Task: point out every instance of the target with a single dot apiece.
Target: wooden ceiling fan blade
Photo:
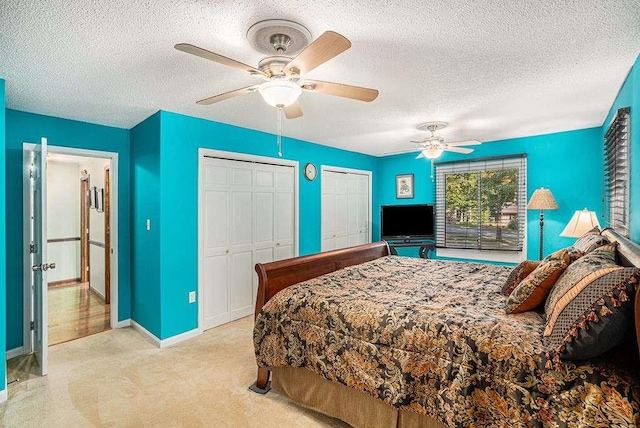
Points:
(462, 150)
(227, 95)
(220, 59)
(341, 90)
(330, 44)
(293, 111)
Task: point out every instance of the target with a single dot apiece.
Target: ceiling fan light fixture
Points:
(280, 93)
(432, 152)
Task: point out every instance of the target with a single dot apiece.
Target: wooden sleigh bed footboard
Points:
(276, 276)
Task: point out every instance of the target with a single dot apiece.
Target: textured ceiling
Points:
(494, 69)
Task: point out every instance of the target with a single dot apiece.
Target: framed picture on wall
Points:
(404, 186)
(100, 200)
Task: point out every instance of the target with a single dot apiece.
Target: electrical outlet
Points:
(192, 296)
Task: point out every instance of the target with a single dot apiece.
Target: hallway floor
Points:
(74, 312)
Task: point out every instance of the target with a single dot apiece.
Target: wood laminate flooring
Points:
(74, 312)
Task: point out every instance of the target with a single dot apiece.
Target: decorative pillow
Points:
(533, 290)
(518, 273)
(589, 315)
(590, 241)
(590, 267)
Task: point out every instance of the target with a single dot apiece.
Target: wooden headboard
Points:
(629, 253)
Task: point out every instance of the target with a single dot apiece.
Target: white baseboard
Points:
(123, 323)
(15, 352)
(169, 341)
(146, 334)
(164, 343)
(4, 395)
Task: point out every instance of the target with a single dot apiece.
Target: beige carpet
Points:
(117, 378)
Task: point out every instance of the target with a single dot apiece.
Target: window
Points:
(615, 212)
(481, 204)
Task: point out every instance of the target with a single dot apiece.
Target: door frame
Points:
(27, 343)
(339, 169)
(233, 156)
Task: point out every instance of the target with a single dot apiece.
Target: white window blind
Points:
(616, 173)
(481, 204)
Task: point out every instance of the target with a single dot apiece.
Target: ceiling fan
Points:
(284, 74)
(433, 146)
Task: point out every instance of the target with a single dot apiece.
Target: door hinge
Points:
(86, 269)
(33, 325)
(32, 248)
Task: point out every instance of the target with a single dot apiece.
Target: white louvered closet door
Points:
(345, 210)
(249, 218)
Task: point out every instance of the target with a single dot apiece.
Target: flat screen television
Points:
(407, 222)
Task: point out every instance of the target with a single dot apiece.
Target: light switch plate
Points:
(192, 296)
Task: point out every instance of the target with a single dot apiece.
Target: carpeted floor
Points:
(117, 378)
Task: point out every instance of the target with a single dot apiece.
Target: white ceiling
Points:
(495, 69)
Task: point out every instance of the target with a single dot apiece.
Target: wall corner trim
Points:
(123, 323)
(146, 334)
(173, 340)
(165, 343)
(15, 352)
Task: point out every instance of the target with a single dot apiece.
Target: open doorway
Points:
(78, 201)
(70, 246)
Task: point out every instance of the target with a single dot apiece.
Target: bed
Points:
(378, 340)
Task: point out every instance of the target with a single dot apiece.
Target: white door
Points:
(248, 217)
(39, 265)
(215, 204)
(241, 246)
(346, 209)
(284, 212)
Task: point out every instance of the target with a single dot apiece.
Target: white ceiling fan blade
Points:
(420, 156)
(464, 143)
(400, 152)
(462, 150)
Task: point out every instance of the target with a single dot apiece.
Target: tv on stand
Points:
(407, 223)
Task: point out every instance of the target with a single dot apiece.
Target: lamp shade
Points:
(581, 222)
(542, 199)
(280, 93)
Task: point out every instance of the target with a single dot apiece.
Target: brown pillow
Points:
(533, 290)
(518, 273)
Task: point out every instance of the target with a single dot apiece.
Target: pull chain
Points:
(279, 138)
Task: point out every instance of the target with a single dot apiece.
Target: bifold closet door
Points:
(345, 210)
(248, 218)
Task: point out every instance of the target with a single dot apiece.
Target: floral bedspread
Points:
(433, 337)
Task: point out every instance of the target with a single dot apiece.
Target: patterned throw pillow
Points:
(518, 273)
(591, 309)
(590, 267)
(533, 290)
(590, 241)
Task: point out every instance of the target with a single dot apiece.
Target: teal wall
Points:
(28, 127)
(568, 163)
(145, 204)
(181, 137)
(3, 242)
(629, 96)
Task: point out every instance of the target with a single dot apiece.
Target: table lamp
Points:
(542, 199)
(581, 222)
